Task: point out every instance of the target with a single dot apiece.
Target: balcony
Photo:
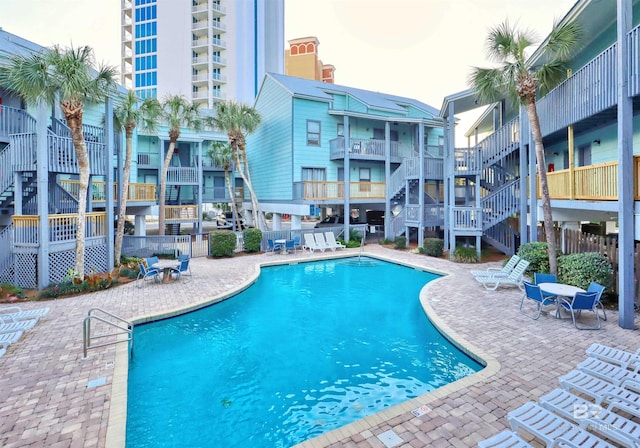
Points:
(200, 61)
(334, 191)
(219, 26)
(175, 214)
(592, 183)
(218, 43)
(369, 149)
(138, 192)
(218, 61)
(62, 228)
(199, 43)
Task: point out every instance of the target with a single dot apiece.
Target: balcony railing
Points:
(178, 175)
(138, 192)
(15, 121)
(334, 191)
(370, 149)
(62, 228)
(594, 182)
(180, 213)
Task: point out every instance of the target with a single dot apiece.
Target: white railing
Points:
(501, 203)
(182, 175)
(467, 160)
(467, 219)
(15, 121)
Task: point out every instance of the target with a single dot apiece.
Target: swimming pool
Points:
(306, 349)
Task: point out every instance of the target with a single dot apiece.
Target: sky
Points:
(422, 49)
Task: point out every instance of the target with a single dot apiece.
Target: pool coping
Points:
(116, 426)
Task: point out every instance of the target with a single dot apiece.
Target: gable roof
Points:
(322, 91)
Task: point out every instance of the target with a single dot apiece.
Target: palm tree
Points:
(70, 77)
(175, 111)
(222, 155)
(128, 114)
(239, 120)
(519, 78)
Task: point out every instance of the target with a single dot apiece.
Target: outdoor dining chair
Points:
(582, 301)
(539, 277)
(596, 287)
(183, 268)
(146, 273)
(534, 293)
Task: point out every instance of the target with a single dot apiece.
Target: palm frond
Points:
(563, 40)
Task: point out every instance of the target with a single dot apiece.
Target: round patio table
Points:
(560, 290)
(166, 266)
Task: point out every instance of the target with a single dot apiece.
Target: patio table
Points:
(166, 266)
(560, 290)
(282, 242)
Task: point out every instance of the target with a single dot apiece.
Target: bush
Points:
(433, 247)
(387, 241)
(400, 242)
(252, 240)
(537, 254)
(222, 243)
(8, 290)
(583, 268)
(355, 235)
(351, 243)
(464, 254)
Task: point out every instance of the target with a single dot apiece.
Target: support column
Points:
(347, 178)
(421, 185)
(524, 234)
(200, 188)
(450, 182)
(626, 290)
(296, 222)
(109, 199)
(387, 176)
(533, 189)
(42, 182)
(277, 221)
(140, 225)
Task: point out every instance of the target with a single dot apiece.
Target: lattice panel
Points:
(25, 275)
(6, 276)
(95, 259)
(59, 265)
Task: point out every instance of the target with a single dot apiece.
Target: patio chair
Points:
(596, 287)
(622, 358)
(539, 277)
(608, 372)
(183, 268)
(603, 391)
(551, 428)
(310, 243)
(321, 242)
(533, 292)
(515, 277)
(151, 261)
(17, 313)
(582, 301)
(592, 417)
(146, 273)
(289, 246)
(296, 243)
(273, 247)
(505, 439)
(504, 271)
(332, 242)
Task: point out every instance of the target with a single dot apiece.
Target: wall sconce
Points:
(596, 142)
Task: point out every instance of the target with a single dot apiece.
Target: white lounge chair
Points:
(615, 356)
(9, 338)
(310, 243)
(601, 391)
(504, 271)
(550, 428)
(515, 277)
(608, 372)
(321, 242)
(592, 417)
(10, 326)
(331, 241)
(17, 313)
(505, 439)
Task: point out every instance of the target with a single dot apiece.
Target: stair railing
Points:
(122, 327)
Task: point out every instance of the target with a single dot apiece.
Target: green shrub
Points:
(351, 243)
(252, 240)
(464, 254)
(400, 242)
(8, 290)
(432, 247)
(537, 254)
(355, 235)
(583, 268)
(222, 243)
(387, 241)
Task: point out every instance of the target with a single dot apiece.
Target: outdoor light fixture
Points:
(596, 142)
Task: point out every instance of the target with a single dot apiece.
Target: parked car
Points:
(332, 221)
(227, 221)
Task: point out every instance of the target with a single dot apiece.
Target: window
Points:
(378, 134)
(314, 185)
(365, 179)
(584, 155)
(313, 133)
(340, 129)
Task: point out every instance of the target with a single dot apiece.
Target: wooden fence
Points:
(575, 241)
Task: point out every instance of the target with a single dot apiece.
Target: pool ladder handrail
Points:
(116, 322)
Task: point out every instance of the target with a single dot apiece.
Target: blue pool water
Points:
(306, 349)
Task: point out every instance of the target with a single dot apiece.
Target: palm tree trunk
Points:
(254, 199)
(163, 187)
(234, 209)
(75, 125)
(125, 195)
(534, 121)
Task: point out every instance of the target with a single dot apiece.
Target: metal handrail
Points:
(86, 333)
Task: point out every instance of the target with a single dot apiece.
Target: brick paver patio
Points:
(45, 401)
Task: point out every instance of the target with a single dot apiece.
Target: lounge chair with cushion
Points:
(332, 242)
(582, 301)
(16, 312)
(615, 356)
(504, 271)
(515, 277)
(310, 243)
(592, 417)
(551, 428)
(505, 439)
(534, 293)
(602, 391)
(146, 273)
